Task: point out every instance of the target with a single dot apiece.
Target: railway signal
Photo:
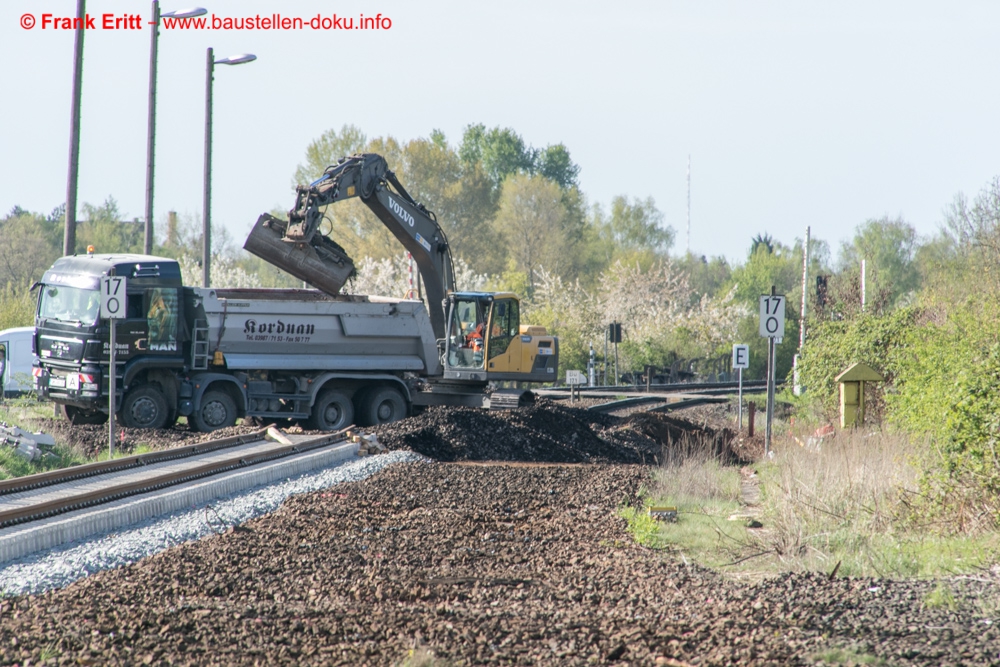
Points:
(772, 327)
(113, 289)
(741, 360)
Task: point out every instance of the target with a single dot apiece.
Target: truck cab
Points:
(73, 345)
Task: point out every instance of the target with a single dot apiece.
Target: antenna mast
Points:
(689, 205)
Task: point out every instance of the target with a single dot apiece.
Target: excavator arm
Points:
(314, 258)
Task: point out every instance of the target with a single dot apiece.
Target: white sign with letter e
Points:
(113, 297)
(741, 356)
(772, 316)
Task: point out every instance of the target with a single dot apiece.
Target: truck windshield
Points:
(70, 304)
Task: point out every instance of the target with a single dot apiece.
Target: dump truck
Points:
(319, 356)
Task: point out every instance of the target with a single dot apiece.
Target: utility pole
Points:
(206, 215)
(864, 272)
(69, 234)
(797, 388)
(151, 129)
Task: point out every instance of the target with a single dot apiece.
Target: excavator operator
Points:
(474, 338)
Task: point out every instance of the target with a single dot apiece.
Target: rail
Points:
(154, 481)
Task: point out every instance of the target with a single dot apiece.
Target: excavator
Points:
(480, 338)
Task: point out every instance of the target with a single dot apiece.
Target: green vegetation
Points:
(24, 412)
(942, 597)
(849, 656)
(931, 329)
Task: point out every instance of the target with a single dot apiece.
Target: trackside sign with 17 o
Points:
(112, 297)
(772, 316)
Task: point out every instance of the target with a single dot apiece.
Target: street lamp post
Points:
(151, 121)
(206, 216)
(69, 233)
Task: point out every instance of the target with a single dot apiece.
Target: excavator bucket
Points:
(320, 262)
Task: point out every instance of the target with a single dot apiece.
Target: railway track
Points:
(659, 398)
(62, 505)
(675, 388)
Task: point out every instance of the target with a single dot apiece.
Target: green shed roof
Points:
(859, 373)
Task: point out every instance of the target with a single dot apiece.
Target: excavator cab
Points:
(486, 341)
(466, 341)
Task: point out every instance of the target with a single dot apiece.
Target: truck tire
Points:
(217, 410)
(381, 405)
(77, 416)
(144, 407)
(332, 411)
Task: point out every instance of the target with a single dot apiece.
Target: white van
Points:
(16, 357)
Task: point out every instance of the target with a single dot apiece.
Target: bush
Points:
(881, 341)
(17, 306)
(948, 390)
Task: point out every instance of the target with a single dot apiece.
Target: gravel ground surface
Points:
(472, 562)
(478, 564)
(60, 567)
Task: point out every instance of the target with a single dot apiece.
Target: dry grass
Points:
(693, 473)
(843, 504)
(852, 481)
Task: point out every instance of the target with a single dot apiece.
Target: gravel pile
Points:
(545, 432)
(479, 564)
(60, 567)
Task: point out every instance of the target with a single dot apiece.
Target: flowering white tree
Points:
(391, 277)
(224, 273)
(659, 311)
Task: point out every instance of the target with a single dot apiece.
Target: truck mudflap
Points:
(320, 262)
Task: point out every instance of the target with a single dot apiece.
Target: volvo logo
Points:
(401, 212)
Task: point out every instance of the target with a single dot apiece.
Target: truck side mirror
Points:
(3, 363)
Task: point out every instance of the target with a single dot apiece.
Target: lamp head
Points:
(188, 13)
(237, 60)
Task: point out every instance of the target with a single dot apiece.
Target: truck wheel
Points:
(76, 416)
(332, 411)
(144, 407)
(381, 406)
(217, 410)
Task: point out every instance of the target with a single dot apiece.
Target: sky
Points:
(794, 114)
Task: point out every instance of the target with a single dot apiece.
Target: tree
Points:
(555, 164)
(761, 241)
(970, 243)
(462, 199)
(325, 151)
(888, 246)
(634, 231)
(501, 151)
(707, 276)
(105, 229)
(532, 221)
(31, 242)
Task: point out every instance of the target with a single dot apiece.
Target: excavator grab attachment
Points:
(320, 262)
